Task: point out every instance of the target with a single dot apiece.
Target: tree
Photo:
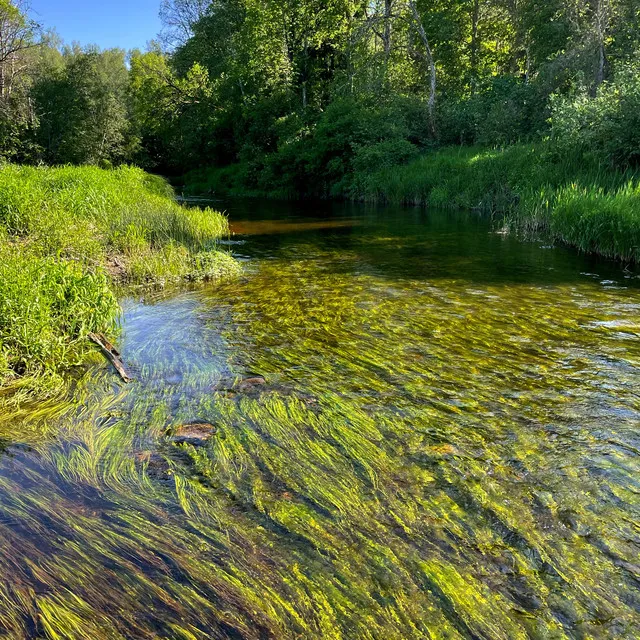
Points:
(416, 23)
(398, 25)
(17, 40)
(82, 107)
(178, 19)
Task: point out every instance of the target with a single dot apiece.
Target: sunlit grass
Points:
(591, 207)
(67, 236)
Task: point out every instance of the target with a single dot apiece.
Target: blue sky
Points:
(108, 23)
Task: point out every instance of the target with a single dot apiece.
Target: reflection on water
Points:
(446, 446)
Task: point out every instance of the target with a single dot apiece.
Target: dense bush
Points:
(322, 156)
(502, 111)
(605, 127)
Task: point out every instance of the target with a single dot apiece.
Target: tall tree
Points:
(17, 40)
(83, 108)
(178, 18)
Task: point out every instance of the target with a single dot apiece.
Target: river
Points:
(439, 439)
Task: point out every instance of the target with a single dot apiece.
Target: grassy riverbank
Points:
(579, 203)
(576, 201)
(68, 237)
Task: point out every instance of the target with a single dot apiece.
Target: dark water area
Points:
(439, 439)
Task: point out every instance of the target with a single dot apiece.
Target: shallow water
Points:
(446, 446)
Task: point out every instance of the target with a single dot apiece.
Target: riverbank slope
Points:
(68, 237)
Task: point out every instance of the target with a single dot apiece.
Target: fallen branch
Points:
(111, 354)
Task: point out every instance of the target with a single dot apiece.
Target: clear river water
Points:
(439, 438)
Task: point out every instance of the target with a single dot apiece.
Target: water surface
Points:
(446, 446)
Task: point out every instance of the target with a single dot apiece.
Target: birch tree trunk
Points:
(428, 54)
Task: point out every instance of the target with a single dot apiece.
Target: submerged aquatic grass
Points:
(67, 236)
(438, 453)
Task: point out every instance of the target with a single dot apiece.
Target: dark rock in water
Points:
(633, 569)
(231, 388)
(571, 521)
(249, 384)
(196, 434)
(174, 378)
(156, 465)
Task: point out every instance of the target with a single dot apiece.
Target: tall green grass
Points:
(583, 204)
(67, 236)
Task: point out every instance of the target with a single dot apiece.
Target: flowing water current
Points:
(445, 445)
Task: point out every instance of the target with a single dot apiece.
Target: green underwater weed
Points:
(431, 457)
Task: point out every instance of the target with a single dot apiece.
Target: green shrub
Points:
(317, 157)
(502, 111)
(605, 128)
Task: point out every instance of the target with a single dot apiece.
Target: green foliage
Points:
(322, 158)
(383, 155)
(82, 108)
(605, 128)
(293, 90)
(504, 111)
(331, 99)
(65, 231)
(17, 38)
(47, 306)
(604, 221)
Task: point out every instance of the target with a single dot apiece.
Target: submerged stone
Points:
(196, 434)
(231, 388)
(156, 465)
(250, 383)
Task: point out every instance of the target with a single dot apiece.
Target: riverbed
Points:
(417, 426)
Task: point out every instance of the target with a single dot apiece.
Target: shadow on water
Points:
(444, 445)
(400, 242)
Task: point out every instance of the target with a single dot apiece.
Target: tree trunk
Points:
(601, 27)
(419, 27)
(475, 19)
(386, 38)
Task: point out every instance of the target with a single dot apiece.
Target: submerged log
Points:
(112, 354)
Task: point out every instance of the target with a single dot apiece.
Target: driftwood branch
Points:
(112, 354)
